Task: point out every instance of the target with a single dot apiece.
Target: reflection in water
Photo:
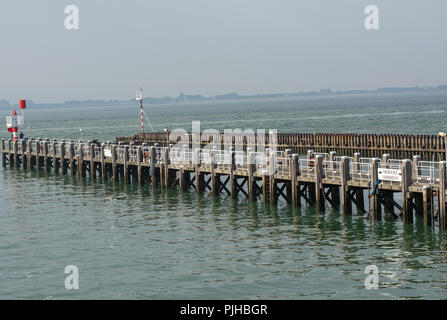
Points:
(184, 245)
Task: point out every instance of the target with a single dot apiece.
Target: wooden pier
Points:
(408, 188)
(399, 146)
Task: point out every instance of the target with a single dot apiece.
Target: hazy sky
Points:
(216, 46)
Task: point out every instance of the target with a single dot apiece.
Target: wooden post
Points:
(346, 204)
(114, 171)
(166, 167)
(319, 188)
(103, 163)
(199, 176)
(3, 153)
(335, 190)
(233, 190)
(45, 155)
(375, 205)
(153, 152)
(441, 195)
(181, 177)
(126, 166)
(427, 206)
(213, 174)
(251, 181)
(16, 155)
(62, 158)
(311, 191)
(70, 158)
(273, 185)
(80, 160)
(407, 215)
(359, 191)
(55, 165)
(92, 161)
(293, 180)
(29, 156)
(23, 155)
(139, 159)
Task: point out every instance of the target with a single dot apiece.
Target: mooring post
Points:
(55, 165)
(293, 180)
(80, 159)
(199, 176)
(103, 163)
(114, 171)
(358, 191)
(407, 213)
(166, 167)
(16, 155)
(181, 179)
(29, 154)
(3, 153)
(319, 188)
(427, 198)
(45, 155)
(311, 164)
(441, 195)
(233, 189)
(375, 204)
(388, 195)
(213, 173)
(335, 191)
(62, 158)
(139, 159)
(10, 153)
(126, 165)
(92, 161)
(251, 180)
(70, 158)
(153, 153)
(273, 184)
(346, 204)
(23, 143)
(418, 197)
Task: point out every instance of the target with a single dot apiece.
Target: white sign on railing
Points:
(390, 174)
(107, 152)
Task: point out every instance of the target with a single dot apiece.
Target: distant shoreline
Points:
(4, 104)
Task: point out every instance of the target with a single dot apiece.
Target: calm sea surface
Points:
(130, 242)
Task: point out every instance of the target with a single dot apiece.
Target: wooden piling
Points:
(16, 154)
(139, 159)
(427, 198)
(233, 188)
(63, 163)
(319, 189)
(251, 181)
(45, 156)
(294, 163)
(28, 155)
(92, 161)
(441, 195)
(407, 213)
(346, 205)
(376, 211)
(114, 171)
(126, 165)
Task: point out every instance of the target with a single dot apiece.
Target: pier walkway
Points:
(407, 188)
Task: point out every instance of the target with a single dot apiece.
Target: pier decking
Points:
(324, 180)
